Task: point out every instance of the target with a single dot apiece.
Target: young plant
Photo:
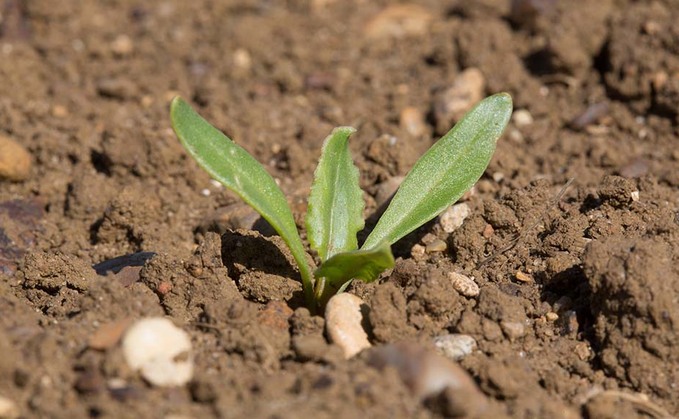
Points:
(335, 212)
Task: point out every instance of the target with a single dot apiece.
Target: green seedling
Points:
(335, 212)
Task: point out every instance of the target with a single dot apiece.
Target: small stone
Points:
(635, 168)
(522, 118)
(122, 45)
(551, 316)
(398, 21)
(344, 319)
(583, 351)
(635, 196)
(436, 246)
(652, 27)
(455, 346)
(8, 409)
(116, 88)
(276, 315)
(451, 104)
(417, 251)
(242, 59)
(109, 334)
(513, 330)
(164, 287)
(234, 217)
(15, 160)
(488, 231)
(523, 277)
(498, 176)
(160, 351)
(59, 111)
(453, 217)
(427, 373)
(146, 101)
(412, 121)
(464, 284)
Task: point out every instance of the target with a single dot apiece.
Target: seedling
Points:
(335, 212)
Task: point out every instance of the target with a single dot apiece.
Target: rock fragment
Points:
(398, 21)
(412, 121)
(451, 104)
(344, 320)
(464, 284)
(436, 246)
(455, 346)
(453, 217)
(122, 45)
(160, 351)
(428, 374)
(8, 409)
(15, 160)
(108, 334)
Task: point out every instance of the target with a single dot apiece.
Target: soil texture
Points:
(568, 251)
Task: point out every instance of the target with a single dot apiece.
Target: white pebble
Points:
(522, 118)
(464, 284)
(343, 323)
(455, 346)
(160, 351)
(453, 217)
(8, 409)
(635, 196)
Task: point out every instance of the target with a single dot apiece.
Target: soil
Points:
(578, 310)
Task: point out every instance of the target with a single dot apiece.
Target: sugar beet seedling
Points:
(335, 212)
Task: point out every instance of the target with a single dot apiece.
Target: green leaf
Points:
(233, 167)
(366, 265)
(445, 172)
(335, 212)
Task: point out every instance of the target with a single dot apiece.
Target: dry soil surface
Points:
(577, 313)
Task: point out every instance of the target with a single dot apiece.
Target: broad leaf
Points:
(366, 265)
(236, 169)
(448, 169)
(335, 212)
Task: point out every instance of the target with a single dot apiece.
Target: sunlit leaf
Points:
(335, 212)
(366, 265)
(445, 172)
(233, 167)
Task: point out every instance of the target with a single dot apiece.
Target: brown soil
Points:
(578, 311)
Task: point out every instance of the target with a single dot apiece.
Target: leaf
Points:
(236, 169)
(445, 172)
(366, 265)
(335, 212)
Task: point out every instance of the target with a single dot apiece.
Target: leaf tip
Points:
(346, 130)
(505, 98)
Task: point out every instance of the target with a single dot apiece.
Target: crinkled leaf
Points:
(236, 169)
(448, 169)
(366, 265)
(335, 212)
